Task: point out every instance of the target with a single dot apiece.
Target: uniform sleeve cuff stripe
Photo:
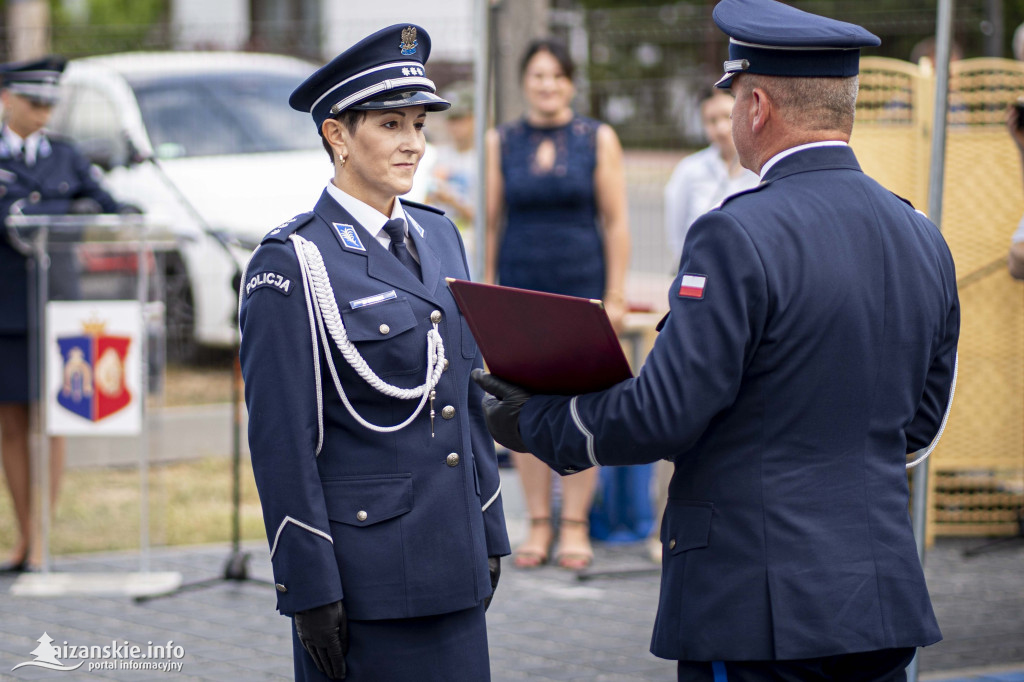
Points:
(583, 429)
(493, 498)
(300, 524)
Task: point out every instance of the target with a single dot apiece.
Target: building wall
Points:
(201, 24)
(449, 22)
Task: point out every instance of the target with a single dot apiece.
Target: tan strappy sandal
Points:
(532, 554)
(578, 556)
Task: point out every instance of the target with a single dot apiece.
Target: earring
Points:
(341, 161)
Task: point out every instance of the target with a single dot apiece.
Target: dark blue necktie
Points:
(396, 230)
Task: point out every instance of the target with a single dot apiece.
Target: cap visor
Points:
(725, 82)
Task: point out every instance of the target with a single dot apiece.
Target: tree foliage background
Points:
(647, 61)
(84, 27)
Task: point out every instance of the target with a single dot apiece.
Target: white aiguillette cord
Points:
(323, 312)
(922, 454)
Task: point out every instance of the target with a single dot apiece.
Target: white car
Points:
(206, 144)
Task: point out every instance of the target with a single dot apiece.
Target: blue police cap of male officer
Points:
(773, 39)
(38, 79)
(382, 71)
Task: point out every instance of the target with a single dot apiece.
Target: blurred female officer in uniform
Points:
(377, 475)
(39, 174)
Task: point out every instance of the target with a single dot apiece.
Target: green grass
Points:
(190, 503)
(189, 500)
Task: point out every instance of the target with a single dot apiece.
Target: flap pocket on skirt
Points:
(366, 500)
(687, 525)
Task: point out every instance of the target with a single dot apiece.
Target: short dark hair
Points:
(556, 48)
(350, 118)
(709, 92)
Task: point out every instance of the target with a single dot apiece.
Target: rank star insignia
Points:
(405, 71)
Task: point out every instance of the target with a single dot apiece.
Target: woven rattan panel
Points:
(977, 472)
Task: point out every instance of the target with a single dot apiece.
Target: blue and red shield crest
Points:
(93, 378)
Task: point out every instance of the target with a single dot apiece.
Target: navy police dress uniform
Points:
(810, 346)
(399, 525)
(59, 176)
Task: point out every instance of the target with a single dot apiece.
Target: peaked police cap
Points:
(38, 79)
(382, 71)
(773, 39)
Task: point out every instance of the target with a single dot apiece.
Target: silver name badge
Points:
(371, 300)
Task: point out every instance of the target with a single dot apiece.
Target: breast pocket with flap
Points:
(385, 335)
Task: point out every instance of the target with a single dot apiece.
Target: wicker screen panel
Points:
(977, 481)
(892, 102)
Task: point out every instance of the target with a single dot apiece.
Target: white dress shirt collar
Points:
(799, 148)
(31, 143)
(372, 219)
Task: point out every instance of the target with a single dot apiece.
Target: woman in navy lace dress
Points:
(556, 222)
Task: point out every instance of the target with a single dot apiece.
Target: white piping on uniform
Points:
(942, 426)
(583, 429)
(493, 498)
(792, 48)
(300, 524)
(390, 65)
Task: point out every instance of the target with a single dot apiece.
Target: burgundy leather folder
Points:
(545, 343)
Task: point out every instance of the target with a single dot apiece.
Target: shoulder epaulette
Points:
(756, 188)
(908, 203)
(905, 201)
(425, 207)
(285, 229)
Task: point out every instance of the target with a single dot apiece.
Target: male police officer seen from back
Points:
(810, 346)
(378, 479)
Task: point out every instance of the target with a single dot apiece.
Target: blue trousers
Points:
(450, 647)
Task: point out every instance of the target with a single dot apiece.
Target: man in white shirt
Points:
(701, 180)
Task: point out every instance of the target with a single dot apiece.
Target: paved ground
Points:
(543, 625)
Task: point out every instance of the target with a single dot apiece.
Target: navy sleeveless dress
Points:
(551, 240)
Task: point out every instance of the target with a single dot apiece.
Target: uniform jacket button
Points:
(34, 197)
(448, 412)
(672, 543)
(452, 460)
(446, 363)
(435, 316)
(360, 515)
(280, 587)
(384, 329)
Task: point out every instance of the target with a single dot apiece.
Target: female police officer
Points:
(39, 174)
(377, 476)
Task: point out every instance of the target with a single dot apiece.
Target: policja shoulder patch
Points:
(268, 279)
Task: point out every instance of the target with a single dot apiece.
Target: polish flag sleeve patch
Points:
(693, 286)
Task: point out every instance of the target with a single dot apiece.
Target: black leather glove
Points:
(323, 632)
(502, 408)
(494, 567)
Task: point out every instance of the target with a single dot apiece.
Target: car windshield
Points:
(222, 113)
